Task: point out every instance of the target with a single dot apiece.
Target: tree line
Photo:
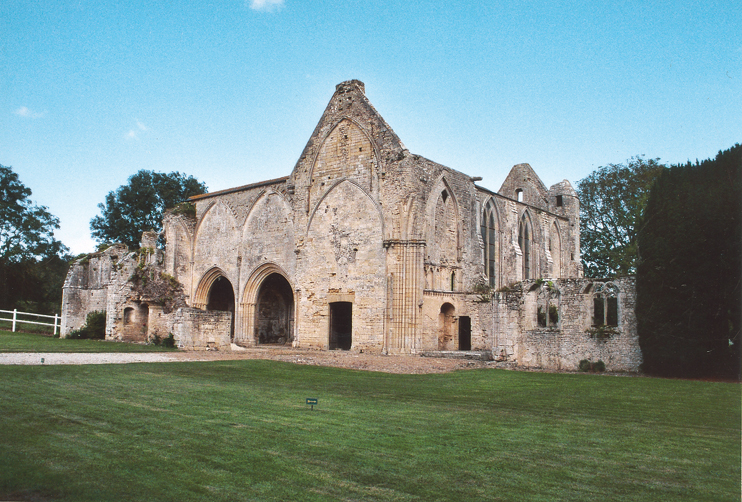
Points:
(678, 229)
(34, 264)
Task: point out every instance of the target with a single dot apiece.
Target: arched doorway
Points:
(275, 311)
(136, 319)
(221, 297)
(445, 327)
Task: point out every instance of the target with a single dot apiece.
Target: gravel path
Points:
(338, 359)
(38, 358)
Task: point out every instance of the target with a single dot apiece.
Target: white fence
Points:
(57, 320)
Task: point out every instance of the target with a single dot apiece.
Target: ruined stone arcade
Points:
(368, 247)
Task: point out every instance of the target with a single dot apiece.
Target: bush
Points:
(586, 366)
(168, 341)
(94, 328)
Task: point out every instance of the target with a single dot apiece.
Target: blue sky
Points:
(229, 91)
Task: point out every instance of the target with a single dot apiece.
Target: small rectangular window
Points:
(559, 201)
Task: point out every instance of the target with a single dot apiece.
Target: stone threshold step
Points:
(478, 355)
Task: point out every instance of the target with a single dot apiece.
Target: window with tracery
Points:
(547, 308)
(489, 238)
(605, 305)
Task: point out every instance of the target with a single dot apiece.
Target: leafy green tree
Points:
(27, 246)
(139, 206)
(689, 301)
(612, 199)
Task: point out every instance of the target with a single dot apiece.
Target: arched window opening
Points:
(524, 241)
(605, 305)
(555, 250)
(547, 310)
(489, 239)
(519, 195)
(453, 281)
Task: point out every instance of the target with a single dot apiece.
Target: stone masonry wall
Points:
(574, 337)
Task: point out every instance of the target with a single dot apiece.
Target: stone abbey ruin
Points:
(367, 247)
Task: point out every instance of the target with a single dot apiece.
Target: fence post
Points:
(55, 324)
(15, 312)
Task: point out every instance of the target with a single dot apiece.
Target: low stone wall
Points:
(195, 329)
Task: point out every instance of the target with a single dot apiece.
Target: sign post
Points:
(311, 401)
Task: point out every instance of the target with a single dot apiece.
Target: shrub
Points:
(586, 366)
(168, 341)
(553, 315)
(94, 328)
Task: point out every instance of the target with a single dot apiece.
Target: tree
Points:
(689, 304)
(612, 200)
(27, 246)
(139, 206)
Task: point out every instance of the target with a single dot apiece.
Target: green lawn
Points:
(34, 342)
(239, 430)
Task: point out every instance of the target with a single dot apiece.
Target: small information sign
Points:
(311, 401)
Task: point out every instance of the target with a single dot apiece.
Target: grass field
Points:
(27, 328)
(240, 430)
(33, 342)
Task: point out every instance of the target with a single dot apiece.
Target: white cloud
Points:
(25, 112)
(134, 132)
(266, 5)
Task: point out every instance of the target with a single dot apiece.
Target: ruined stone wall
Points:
(179, 231)
(268, 237)
(389, 241)
(343, 260)
(574, 336)
(85, 288)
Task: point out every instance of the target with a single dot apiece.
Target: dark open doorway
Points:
(221, 297)
(341, 325)
(275, 311)
(464, 332)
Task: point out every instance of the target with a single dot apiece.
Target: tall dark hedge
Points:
(689, 305)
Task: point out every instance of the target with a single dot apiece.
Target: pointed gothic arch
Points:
(268, 283)
(443, 224)
(359, 158)
(331, 190)
(201, 295)
(525, 242)
(489, 229)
